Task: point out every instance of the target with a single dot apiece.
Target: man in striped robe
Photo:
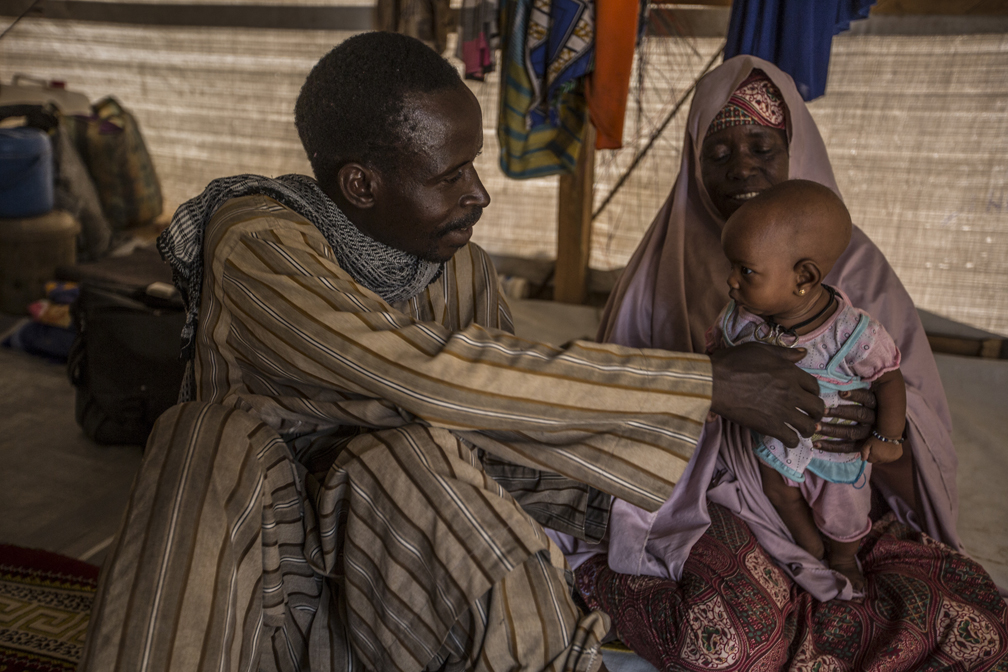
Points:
(364, 476)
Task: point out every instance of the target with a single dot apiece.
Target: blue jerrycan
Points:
(26, 173)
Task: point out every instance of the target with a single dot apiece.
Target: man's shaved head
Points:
(805, 220)
(356, 104)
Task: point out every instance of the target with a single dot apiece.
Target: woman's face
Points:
(738, 162)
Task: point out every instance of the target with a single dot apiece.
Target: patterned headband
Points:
(756, 101)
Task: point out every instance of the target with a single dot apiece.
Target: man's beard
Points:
(463, 222)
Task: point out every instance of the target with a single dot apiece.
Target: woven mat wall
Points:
(917, 129)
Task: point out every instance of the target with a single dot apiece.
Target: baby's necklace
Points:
(777, 332)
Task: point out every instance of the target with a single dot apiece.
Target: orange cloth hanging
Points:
(607, 86)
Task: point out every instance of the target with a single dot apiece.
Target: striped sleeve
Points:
(622, 420)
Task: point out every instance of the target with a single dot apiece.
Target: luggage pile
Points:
(75, 178)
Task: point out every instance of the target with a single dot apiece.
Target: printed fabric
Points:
(756, 101)
(927, 607)
(558, 51)
(548, 50)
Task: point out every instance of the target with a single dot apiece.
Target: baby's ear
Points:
(807, 276)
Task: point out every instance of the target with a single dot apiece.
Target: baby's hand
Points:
(880, 452)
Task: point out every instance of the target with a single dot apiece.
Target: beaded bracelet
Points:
(883, 439)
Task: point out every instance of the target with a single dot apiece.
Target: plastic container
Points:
(30, 250)
(26, 172)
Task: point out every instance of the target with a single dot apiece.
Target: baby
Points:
(781, 244)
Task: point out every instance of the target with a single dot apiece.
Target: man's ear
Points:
(357, 184)
(807, 275)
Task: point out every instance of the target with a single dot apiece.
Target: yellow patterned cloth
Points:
(549, 46)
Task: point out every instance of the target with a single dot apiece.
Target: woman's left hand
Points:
(847, 438)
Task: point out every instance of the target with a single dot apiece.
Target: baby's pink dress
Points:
(849, 351)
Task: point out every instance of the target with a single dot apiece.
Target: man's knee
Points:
(187, 550)
(526, 621)
(206, 428)
(418, 528)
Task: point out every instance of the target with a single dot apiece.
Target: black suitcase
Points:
(125, 361)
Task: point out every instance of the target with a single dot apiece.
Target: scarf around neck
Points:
(392, 274)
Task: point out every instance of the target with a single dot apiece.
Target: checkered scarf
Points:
(392, 274)
(756, 101)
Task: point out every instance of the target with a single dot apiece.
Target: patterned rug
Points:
(45, 600)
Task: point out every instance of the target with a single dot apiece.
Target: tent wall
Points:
(209, 101)
(917, 131)
(916, 126)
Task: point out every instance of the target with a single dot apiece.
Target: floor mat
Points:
(45, 601)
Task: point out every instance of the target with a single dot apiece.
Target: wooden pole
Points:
(574, 208)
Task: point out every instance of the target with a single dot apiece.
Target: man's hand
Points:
(758, 386)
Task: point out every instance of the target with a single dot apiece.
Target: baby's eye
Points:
(745, 271)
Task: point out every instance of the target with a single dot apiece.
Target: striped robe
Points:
(403, 459)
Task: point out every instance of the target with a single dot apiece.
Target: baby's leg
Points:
(841, 513)
(792, 509)
(842, 559)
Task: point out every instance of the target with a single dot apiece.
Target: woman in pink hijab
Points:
(691, 586)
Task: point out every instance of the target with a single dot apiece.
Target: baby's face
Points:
(762, 279)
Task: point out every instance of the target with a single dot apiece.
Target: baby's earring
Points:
(801, 291)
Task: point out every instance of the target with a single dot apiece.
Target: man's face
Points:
(429, 205)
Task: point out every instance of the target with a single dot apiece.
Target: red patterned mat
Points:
(45, 601)
(926, 608)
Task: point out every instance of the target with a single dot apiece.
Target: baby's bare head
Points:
(796, 219)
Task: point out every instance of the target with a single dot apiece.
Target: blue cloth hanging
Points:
(795, 35)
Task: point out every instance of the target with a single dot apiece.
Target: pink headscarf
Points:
(672, 291)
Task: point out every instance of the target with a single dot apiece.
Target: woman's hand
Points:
(848, 438)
